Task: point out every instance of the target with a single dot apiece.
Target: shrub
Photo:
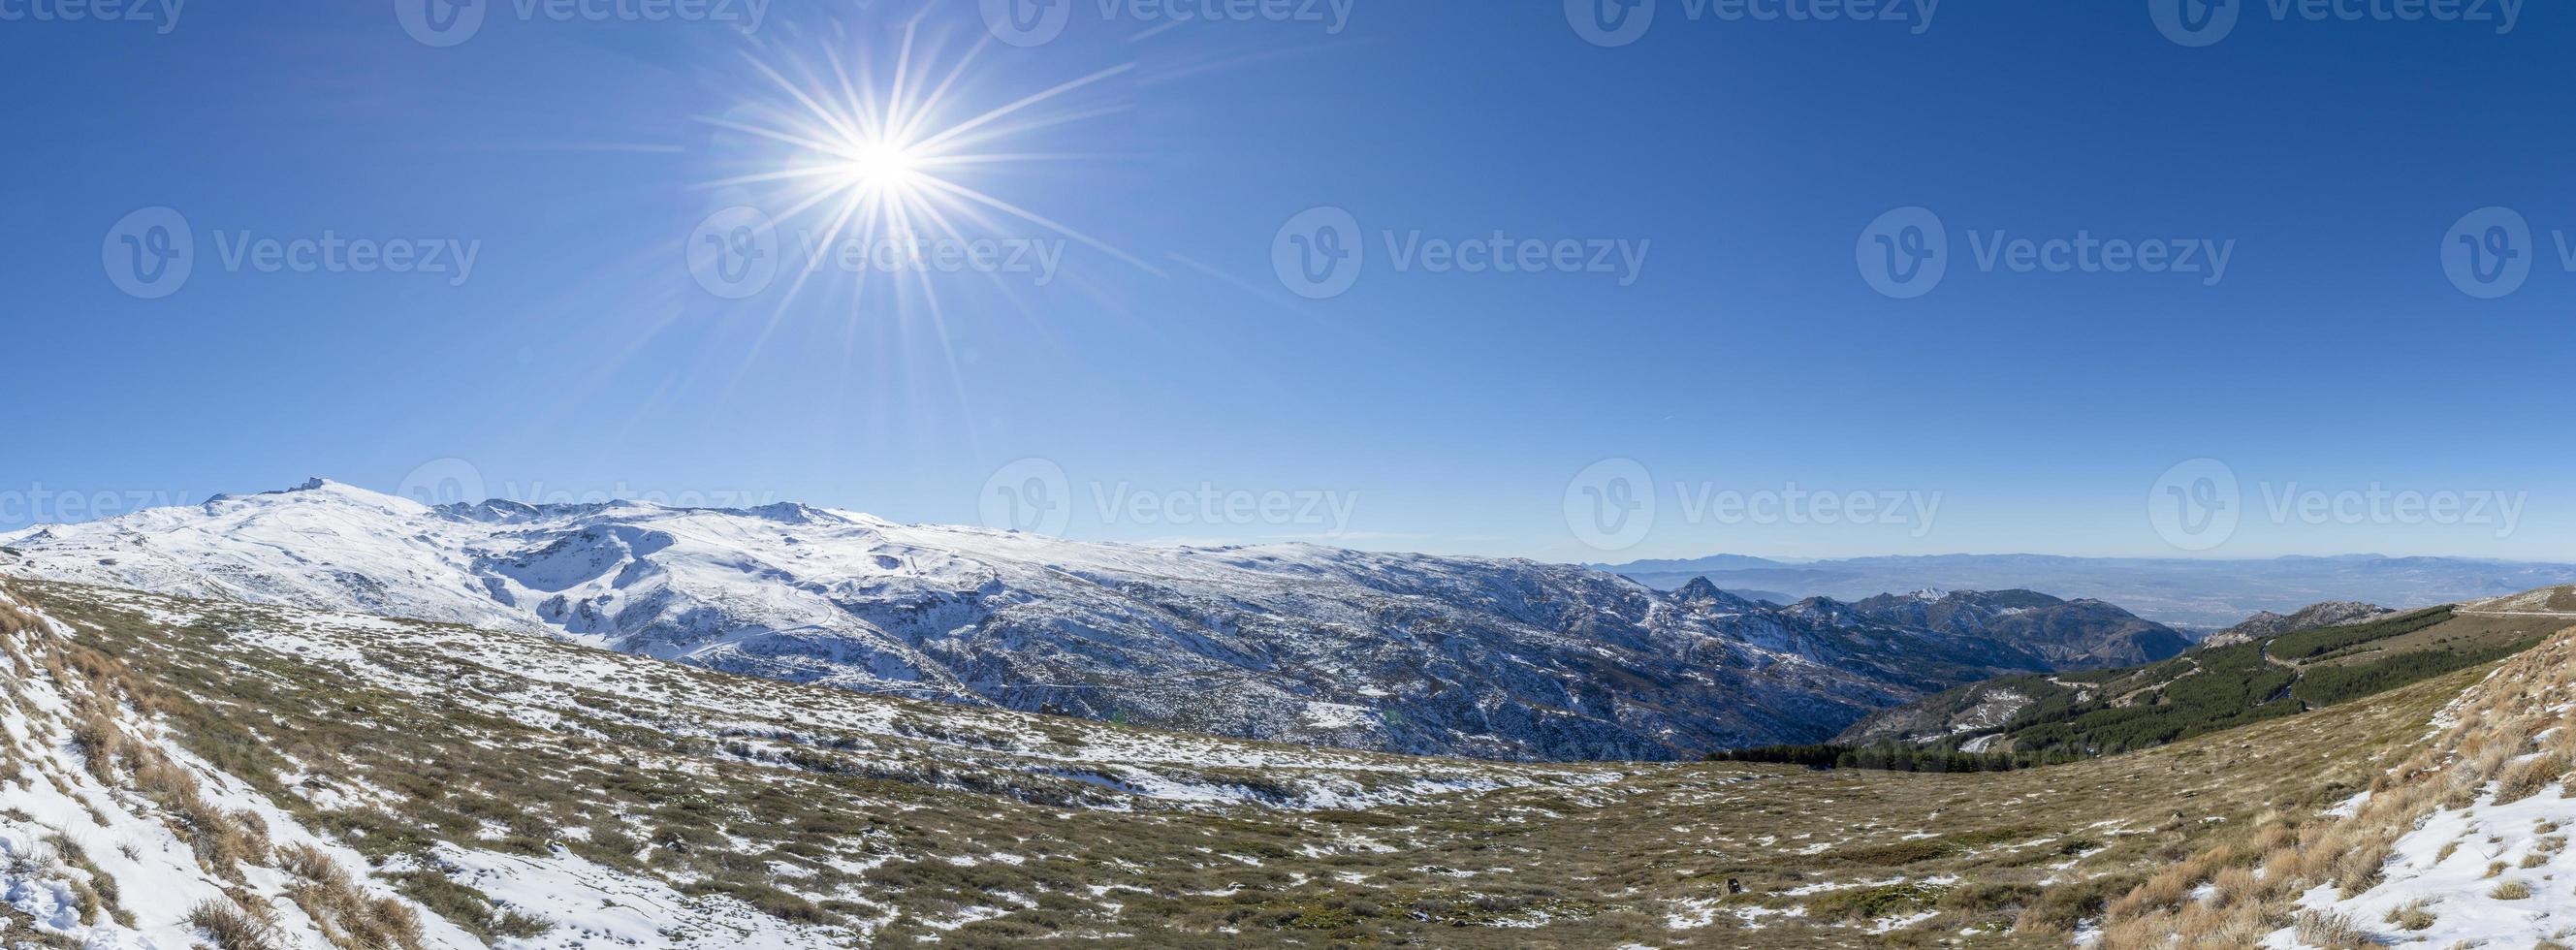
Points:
(233, 926)
(2330, 931)
(2412, 916)
(2527, 778)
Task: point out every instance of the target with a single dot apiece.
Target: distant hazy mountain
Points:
(1395, 652)
(1704, 565)
(2203, 595)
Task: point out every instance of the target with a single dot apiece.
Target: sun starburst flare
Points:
(880, 157)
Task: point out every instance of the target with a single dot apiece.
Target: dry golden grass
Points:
(2169, 888)
(100, 688)
(350, 919)
(2413, 915)
(2525, 779)
(2494, 723)
(236, 925)
(2331, 932)
(2044, 850)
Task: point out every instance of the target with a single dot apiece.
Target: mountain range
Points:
(2200, 595)
(1507, 659)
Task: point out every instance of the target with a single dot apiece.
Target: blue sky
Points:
(1728, 354)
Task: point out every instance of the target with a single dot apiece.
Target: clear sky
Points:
(1143, 299)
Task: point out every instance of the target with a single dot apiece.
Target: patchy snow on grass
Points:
(2462, 891)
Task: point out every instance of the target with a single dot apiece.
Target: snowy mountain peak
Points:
(1399, 652)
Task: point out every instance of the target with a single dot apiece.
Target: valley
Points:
(329, 718)
(538, 793)
(1491, 658)
(2211, 688)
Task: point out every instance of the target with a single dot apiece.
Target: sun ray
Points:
(1025, 102)
(859, 146)
(1039, 220)
(938, 95)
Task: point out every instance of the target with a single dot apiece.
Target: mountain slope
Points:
(2206, 690)
(1490, 658)
(527, 792)
(2268, 624)
(2200, 594)
(2461, 845)
(2078, 634)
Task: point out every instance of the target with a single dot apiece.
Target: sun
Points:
(885, 148)
(880, 166)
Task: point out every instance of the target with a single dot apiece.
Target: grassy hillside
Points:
(2462, 845)
(531, 793)
(2051, 718)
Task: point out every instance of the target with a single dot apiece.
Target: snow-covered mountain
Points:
(1395, 652)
